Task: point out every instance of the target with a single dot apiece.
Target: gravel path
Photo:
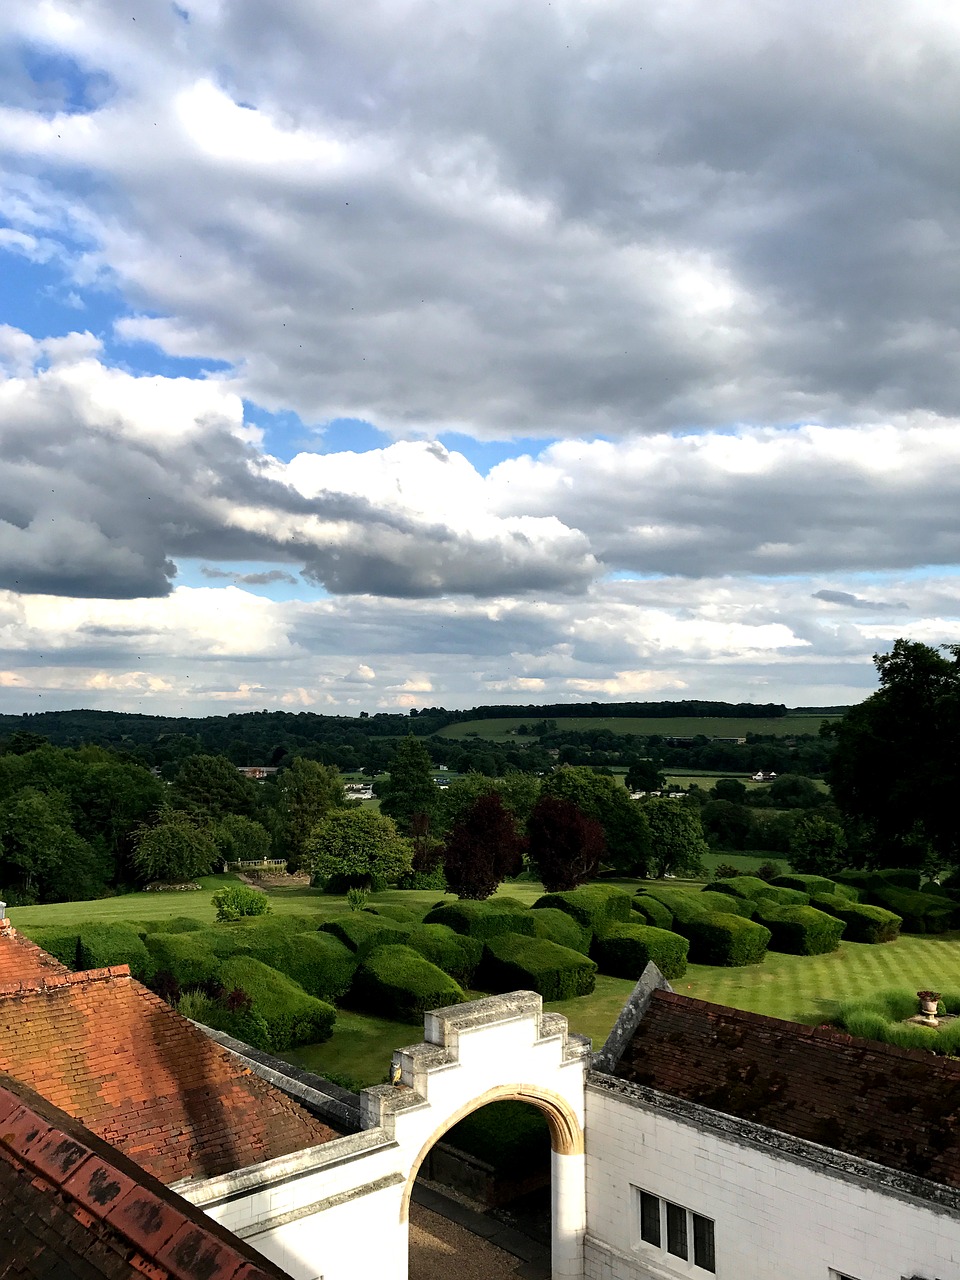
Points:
(440, 1248)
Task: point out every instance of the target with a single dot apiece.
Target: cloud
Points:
(107, 477)
(848, 600)
(249, 579)
(581, 218)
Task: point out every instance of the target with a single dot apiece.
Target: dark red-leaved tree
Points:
(565, 845)
(483, 848)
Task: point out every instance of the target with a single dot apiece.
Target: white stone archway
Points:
(339, 1211)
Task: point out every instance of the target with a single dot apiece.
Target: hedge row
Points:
(482, 920)
(863, 922)
(625, 950)
(362, 932)
(653, 911)
(292, 1017)
(455, 953)
(801, 931)
(514, 961)
(560, 927)
(397, 982)
(594, 906)
(730, 940)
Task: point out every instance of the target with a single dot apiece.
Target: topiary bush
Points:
(237, 900)
(397, 982)
(757, 890)
(801, 931)
(176, 924)
(102, 945)
(728, 940)
(626, 949)
(362, 932)
(292, 1017)
(455, 953)
(864, 923)
(187, 958)
(653, 911)
(513, 962)
(816, 884)
(727, 902)
(231, 1012)
(59, 941)
(594, 906)
(394, 911)
(322, 964)
(683, 904)
(482, 920)
(560, 927)
(920, 912)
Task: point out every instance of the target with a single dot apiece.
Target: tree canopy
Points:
(676, 836)
(565, 846)
(411, 790)
(360, 846)
(894, 770)
(482, 848)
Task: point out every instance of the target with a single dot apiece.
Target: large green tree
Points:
(624, 822)
(212, 787)
(177, 848)
(41, 856)
(309, 791)
(896, 766)
(411, 791)
(676, 837)
(817, 846)
(358, 846)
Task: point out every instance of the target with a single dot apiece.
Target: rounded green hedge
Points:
(750, 887)
(187, 957)
(728, 940)
(683, 904)
(176, 924)
(394, 911)
(60, 941)
(362, 932)
(920, 912)
(321, 964)
(513, 962)
(594, 906)
(864, 923)
(816, 884)
(292, 1017)
(482, 919)
(625, 950)
(102, 945)
(801, 931)
(653, 910)
(560, 927)
(397, 982)
(455, 953)
(726, 903)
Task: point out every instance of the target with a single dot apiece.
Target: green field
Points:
(675, 726)
(798, 988)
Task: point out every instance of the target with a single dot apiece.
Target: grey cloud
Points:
(583, 218)
(249, 579)
(850, 601)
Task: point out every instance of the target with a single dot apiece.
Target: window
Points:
(677, 1231)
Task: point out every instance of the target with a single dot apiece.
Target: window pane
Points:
(703, 1254)
(676, 1230)
(649, 1219)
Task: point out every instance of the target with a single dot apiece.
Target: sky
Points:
(394, 354)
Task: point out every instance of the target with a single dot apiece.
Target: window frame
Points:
(669, 1229)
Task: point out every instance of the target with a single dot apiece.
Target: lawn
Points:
(671, 727)
(798, 988)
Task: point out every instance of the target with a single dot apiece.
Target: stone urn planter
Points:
(929, 1000)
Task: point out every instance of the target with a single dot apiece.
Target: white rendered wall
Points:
(775, 1219)
(339, 1211)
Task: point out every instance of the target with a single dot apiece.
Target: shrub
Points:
(394, 911)
(455, 953)
(725, 871)
(238, 900)
(902, 877)
(102, 945)
(743, 886)
(292, 1017)
(361, 931)
(801, 931)
(769, 871)
(682, 904)
(397, 982)
(188, 958)
(728, 902)
(435, 879)
(482, 919)
(920, 912)
(513, 962)
(653, 911)
(594, 906)
(816, 884)
(320, 962)
(357, 899)
(60, 941)
(625, 950)
(176, 924)
(560, 927)
(227, 1013)
(882, 1017)
(725, 939)
(864, 923)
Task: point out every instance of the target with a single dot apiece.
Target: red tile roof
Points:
(112, 1054)
(21, 959)
(71, 1205)
(898, 1107)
